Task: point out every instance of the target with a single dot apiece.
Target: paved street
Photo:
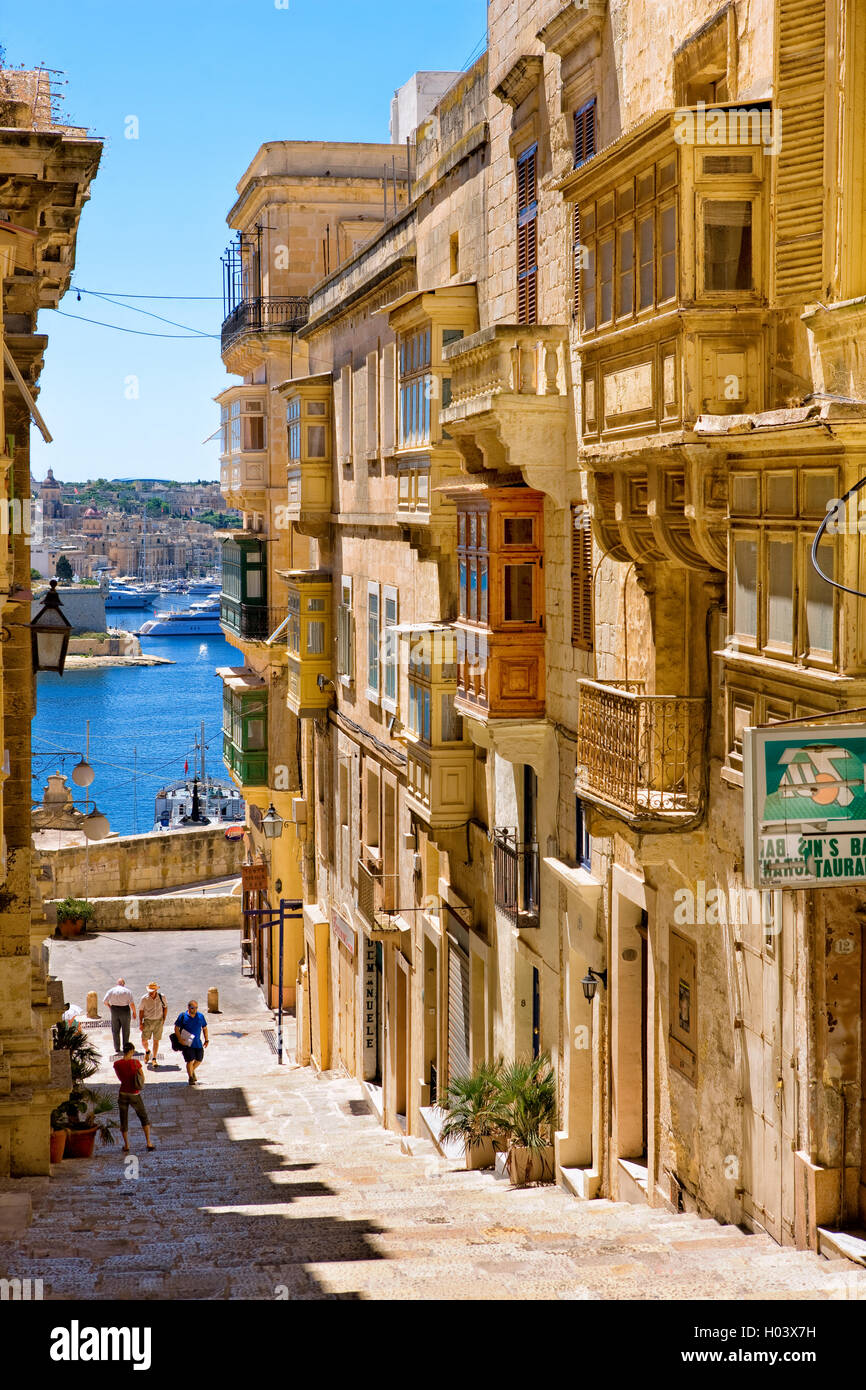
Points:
(277, 1182)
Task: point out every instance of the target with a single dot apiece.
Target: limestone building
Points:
(46, 170)
(302, 208)
(560, 438)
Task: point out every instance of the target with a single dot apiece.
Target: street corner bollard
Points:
(213, 1000)
(92, 1004)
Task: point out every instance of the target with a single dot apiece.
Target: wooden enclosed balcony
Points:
(641, 756)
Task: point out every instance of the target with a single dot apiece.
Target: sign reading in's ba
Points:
(805, 806)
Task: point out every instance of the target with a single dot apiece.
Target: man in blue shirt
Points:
(195, 1025)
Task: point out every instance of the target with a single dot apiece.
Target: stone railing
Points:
(641, 754)
(506, 359)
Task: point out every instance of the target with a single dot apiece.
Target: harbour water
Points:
(144, 720)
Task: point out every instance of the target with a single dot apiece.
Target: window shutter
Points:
(372, 403)
(389, 397)
(581, 580)
(527, 237)
(575, 265)
(584, 133)
(800, 84)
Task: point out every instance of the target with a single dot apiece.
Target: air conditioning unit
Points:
(409, 840)
(299, 810)
(417, 862)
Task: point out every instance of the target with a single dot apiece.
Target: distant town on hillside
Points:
(153, 528)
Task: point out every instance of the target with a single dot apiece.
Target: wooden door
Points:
(769, 1080)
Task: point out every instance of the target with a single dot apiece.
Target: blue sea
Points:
(144, 720)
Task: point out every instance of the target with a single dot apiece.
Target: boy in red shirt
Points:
(131, 1077)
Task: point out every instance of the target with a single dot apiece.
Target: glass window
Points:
(482, 591)
(518, 596)
(605, 297)
(727, 245)
(463, 609)
(625, 292)
(819, 601)
(389, 648)
(587, 290)
(316, 441)
(254, 581)
(255, 734)
(668, 252)
(373, 640)
(293, 627)
(452, 724)
(646, 252)
(315, 637)
(746, 588)
(780, 592)
(744, 494)
(519, 530)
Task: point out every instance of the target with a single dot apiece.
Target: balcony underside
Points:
(656, 505)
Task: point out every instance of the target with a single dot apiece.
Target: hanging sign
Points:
(805, 806)
(254, 878)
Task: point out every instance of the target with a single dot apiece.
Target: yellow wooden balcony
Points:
(308, 422)
(641, 756)
(308, 641)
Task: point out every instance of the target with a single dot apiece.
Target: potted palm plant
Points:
(73, 915)
(526, 1116)
(77, 1116)
(84, 1108)
(469, 1106)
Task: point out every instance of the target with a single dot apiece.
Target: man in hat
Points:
(152, 1011)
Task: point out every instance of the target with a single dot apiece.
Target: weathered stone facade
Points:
(47, 170)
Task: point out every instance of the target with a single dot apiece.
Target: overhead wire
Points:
(95, 294)
(136, 332)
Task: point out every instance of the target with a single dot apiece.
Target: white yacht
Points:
(201, 619)
(127, 596)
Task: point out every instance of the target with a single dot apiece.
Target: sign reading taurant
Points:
(805, 806)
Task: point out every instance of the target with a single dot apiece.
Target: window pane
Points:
(780, 598)
(519, 530)
(482, 591)
(746, 588)
(452, 724)
(518, 581)
(605, 308)
(645, 239)
(316, 441)
(373, 641)
(463, 612)
(255, 734)
(728, 246)
(626, 271)
(315, 637)
(587, 290)
(668, 235)
(819, 602)
(473, 590)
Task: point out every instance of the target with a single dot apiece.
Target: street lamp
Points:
(95, 825)
(590, 982)
(272, 823)
(50, 634)
(82, 774)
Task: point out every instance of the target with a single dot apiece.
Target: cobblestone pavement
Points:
(274, 1182)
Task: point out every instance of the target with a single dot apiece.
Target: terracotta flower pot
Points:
(481, 1155)
(80, 1143)
(58, 1144)
(526, 1165)
(71, 926)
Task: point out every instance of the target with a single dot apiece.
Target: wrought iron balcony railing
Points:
(252, 621)
(258, 315)
(641, 754)
(515, 878)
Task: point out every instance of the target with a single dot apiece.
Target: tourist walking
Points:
(152, 1010)
(120, 1001)
(189, 1029)
(130, 1074)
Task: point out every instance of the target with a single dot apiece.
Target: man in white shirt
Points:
(120, 1001)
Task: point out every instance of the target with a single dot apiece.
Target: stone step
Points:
(849, 1246)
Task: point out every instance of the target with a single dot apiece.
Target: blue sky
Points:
(209, 81)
